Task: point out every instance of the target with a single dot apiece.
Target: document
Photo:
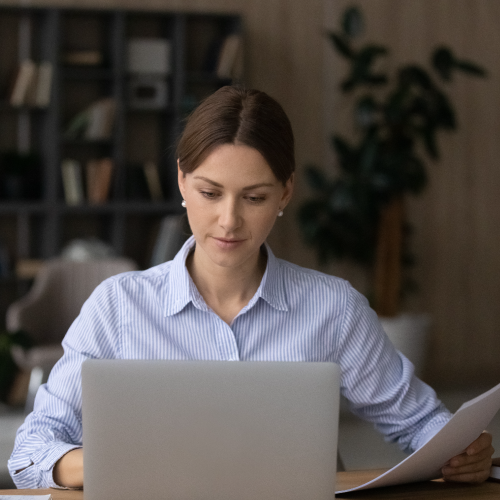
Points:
(25, 497)
(465, 426)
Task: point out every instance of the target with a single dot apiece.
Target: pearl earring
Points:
(280, 213)
(183, 203)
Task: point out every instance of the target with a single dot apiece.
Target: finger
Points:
(472, 477)
(464, 459)
(481, 465)
(482, 442)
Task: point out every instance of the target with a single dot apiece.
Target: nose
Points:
(229, 216)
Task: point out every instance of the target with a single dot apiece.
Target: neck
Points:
(226, 289)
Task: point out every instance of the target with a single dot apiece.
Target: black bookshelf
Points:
(40, 228)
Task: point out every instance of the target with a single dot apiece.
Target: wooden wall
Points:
(457, 220)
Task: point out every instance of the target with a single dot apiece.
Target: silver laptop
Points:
(209, 430)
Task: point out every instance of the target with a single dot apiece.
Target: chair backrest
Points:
(58, 293)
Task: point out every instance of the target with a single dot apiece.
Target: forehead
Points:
(231, 162)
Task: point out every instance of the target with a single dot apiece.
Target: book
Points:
(82, 58)
(171, 237)
(25, 78)
(101, 119)
(77, 125)
(95, 122)
(72, 181)
(228, 56)
(98, 174)
(153, 180)
(43, 84)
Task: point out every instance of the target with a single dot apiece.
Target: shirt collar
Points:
(181, 289)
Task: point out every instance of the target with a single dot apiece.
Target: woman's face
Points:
(232, 201)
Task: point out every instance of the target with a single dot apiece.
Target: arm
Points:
(54, 428)
(382, 388)
(68, 471)
(379, 382)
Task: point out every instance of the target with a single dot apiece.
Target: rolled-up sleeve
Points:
(380, 384)
(55, 426)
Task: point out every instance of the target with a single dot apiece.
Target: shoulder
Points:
(310, 288)
(299, 276)
(151, 279)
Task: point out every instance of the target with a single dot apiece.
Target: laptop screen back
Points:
(209, 430)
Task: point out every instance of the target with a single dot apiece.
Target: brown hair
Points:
(239, 116)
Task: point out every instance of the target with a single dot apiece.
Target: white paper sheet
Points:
(465, 426)
(25, 497)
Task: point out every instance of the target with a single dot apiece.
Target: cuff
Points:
(431, 429)
(40, 473)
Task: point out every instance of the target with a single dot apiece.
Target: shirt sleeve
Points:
(55, 426)
(380, 384)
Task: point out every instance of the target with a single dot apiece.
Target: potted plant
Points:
(358, 213)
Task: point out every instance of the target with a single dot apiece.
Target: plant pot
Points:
(409, 334)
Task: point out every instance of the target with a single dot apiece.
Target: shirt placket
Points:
(228, 348)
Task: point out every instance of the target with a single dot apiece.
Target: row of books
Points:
(95, 122)
(98, 173)
(152, 56)
(32, 84)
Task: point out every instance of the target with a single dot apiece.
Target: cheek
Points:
(263, 222)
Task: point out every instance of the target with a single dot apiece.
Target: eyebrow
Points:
(216, 184)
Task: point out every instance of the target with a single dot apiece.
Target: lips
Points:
(228, 243)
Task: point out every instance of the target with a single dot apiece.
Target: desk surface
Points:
(428, 490)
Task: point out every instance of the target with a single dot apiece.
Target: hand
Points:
(474, 464)
(68, 470)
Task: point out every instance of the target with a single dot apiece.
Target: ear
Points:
(181, 179)
(287, 192)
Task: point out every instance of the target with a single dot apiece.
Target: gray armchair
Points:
(47, 311)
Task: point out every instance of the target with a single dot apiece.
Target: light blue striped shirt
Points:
(296, 314)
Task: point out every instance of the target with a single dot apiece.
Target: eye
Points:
(211, 195)
(256, 199)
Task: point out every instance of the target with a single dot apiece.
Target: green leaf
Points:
(443, 61)
(429, 138)
(444, 114)
(415, 75)
(415, 175)
(365, 111)
(367, 56)
(315, 178)
(368, 152)
(341, 45)
(353, 22)
(347, 155)
(362, 66)
(470, 68)
(341, 199)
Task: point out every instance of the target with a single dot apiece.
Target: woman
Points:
(225, 296)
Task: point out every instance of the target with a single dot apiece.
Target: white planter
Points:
(409, 334)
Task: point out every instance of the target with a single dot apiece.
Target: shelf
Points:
(6, 106)
(169, 109)
(207, 78)
(87, 142)
(86, 73)
(122, 207)
(15, 207)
